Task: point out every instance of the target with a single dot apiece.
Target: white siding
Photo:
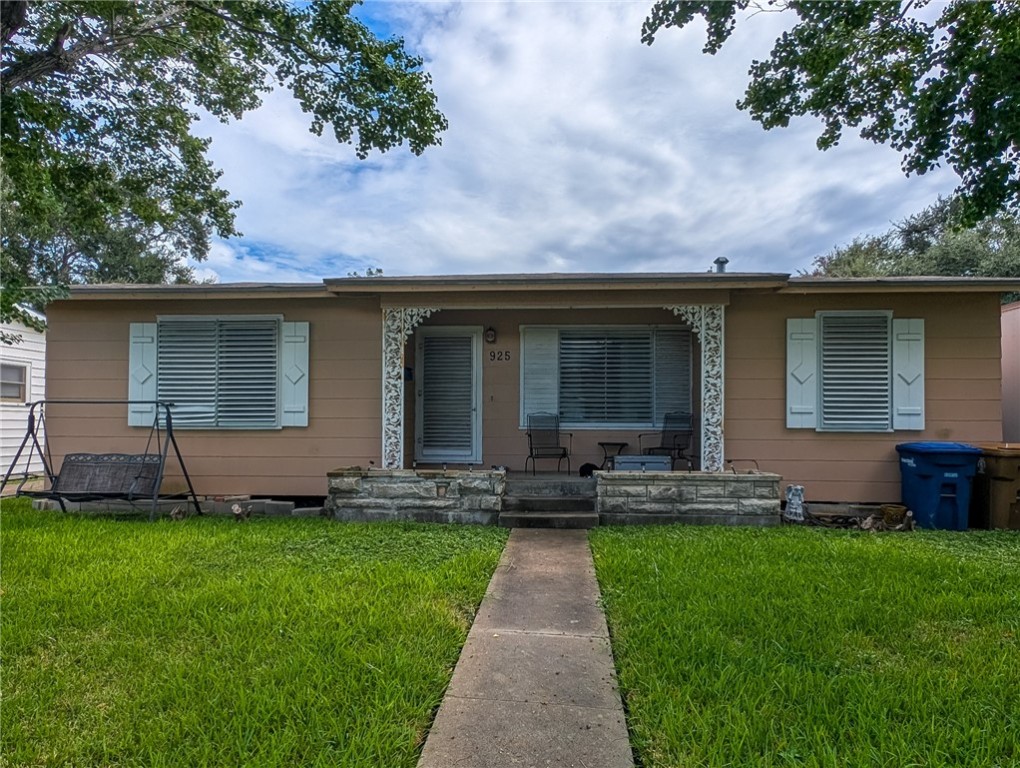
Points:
(31, 352)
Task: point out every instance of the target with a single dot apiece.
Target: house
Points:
(22, 381)
(815, 379)
(1011, 372)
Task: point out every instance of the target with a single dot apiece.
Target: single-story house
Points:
(1011, 372)
(22, 381)
(816, 379)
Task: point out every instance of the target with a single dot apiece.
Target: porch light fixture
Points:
(490, 335)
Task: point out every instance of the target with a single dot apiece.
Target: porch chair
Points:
(544, 440)
(674, 440)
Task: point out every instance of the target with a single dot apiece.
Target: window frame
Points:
(863, 427)
(651, 329)
(179, 422)
(26, 382)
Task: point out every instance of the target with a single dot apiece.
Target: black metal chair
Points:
(544, 441)
(674, 440)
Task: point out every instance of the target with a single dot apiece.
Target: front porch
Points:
(460, 384)
(515, 499)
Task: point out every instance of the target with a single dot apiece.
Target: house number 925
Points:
(499, 355)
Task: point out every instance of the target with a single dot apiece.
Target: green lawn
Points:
(793, 646)
(276, 642)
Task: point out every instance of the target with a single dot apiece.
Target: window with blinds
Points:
(856, 372)
(220, 373)
(622, 377)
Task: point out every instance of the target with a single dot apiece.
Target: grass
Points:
(783, 647)
(211, 643)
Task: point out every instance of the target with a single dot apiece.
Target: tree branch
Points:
(57, 59)
(13, 15)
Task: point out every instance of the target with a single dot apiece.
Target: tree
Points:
(931, 243)
(946, 91)
(97, 100)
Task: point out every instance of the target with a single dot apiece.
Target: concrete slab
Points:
(535, 684)
(508, 665)
(499, 734)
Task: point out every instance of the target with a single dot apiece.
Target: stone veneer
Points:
(426, 496)
(688, 497)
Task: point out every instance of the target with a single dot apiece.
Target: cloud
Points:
(572, 147)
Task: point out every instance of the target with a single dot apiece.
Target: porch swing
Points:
(84, 477)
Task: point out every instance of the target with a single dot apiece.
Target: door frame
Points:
(475, 332)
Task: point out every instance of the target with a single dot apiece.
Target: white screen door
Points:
(448, 395)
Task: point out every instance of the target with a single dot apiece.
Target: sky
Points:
(572, 147)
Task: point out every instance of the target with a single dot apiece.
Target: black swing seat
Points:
(95, 476)
(86, 477)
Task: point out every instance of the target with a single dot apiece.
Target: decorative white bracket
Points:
(398, 325)
(708, 322)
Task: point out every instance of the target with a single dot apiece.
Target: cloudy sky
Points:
(572, 147)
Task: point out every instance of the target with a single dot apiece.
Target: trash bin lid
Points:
(937, 447)
(1003, 450)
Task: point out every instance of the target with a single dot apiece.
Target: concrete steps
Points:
(550, 519)
(550, 501)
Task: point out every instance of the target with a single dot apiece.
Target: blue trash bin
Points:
(936, 482)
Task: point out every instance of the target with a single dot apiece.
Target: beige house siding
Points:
(1011, 372)
(88, 358)
(962, 396)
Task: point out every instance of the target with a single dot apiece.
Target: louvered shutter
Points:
(187, 370)
(908, 373)
(539, 372)
(142, 373)
(672, 372)
(294, 378)
(447, 397)
(248, 374)
(855, 368)
(801, 373)
(220, 373)
(606, 377)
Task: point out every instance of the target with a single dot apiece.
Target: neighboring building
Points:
(816, 379)
(1011, 372)
(22, 381)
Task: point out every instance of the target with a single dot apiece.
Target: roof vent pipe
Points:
(720, 264)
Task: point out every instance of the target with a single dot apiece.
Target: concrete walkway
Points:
(535, 684)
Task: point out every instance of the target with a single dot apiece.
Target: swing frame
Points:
(109, 476)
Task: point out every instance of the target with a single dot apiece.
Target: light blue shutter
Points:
(539, 372)
(142, 373)
(908, 373)
(295, 375)
(801, 373)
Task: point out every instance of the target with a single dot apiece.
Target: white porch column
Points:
(708, 321)
(398, 324)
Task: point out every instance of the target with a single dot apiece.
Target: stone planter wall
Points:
(426, 496)
(687, 497)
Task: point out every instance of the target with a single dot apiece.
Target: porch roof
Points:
(397, 290)
(558, 281)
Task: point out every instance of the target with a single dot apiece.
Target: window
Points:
(855, 372)
(221, 372)
(14, 382)
(622, 377)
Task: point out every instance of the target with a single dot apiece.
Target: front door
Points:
(448, 403)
